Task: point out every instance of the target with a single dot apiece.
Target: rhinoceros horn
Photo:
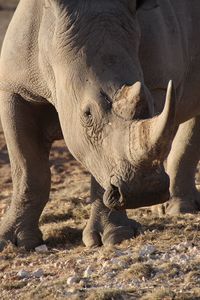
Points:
(126, 100)
(151, 138)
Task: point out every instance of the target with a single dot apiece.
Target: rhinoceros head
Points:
(105, 109)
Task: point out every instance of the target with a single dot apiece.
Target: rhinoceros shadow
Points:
(65, 237)
(53, 218)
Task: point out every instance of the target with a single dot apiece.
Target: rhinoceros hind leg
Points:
(181, 167)
(107, 226)
(28, 152)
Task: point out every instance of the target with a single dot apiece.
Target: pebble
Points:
(82, 283)
(118, 262)
(105, 265)
(165, 256)
(23, 274)
(88, 201)
(80, 261)
(147, 250)
(41, 248)
(109, 275)
(114, 260)
(88, 272)
(120, 253)
(71, 291)
(38, 273)
(72, 280)
(128, 252)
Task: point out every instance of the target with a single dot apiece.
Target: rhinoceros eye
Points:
(87, 117)
(87, 113)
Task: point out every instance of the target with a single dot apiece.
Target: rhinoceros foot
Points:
(117, 234)
(27, 240)
(17, 233)
(179, 205)
(108, 227)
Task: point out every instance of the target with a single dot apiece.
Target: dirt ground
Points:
(162, 263)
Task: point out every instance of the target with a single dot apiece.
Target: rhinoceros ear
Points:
(128, 102)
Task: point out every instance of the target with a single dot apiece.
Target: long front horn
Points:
(152, 138)
(162, 126)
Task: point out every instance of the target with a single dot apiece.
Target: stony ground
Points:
(162, 263)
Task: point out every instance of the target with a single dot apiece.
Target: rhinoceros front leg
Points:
(107, 226)
(28, 154)
(181, 167)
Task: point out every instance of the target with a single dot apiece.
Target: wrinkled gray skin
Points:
(97, 72)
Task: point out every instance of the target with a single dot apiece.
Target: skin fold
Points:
(96, 73)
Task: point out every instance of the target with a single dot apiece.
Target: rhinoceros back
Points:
(163, 49)
(19, 69)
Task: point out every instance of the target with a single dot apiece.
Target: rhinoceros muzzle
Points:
(146, 194)
(114, 199)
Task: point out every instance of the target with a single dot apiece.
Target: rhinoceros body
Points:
(96, 73)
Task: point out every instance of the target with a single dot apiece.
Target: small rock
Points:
(82, 283)
(88, 201)
(119, 252)
(147, 250)
(118, 262)
(80, 261)
(41, 249)
(128, 252)
(114, 260)
(109, 275)
(38, 273)
(105, 265)
(88, 272)
(31, 264)
(184, 257)
(72, 280)
(165, 256)
(56, 265)
(23, 274)
(71, 291)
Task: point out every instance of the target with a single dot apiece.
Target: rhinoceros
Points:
(119, 81)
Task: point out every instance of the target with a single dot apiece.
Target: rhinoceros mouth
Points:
(147, 199)
(113, 198)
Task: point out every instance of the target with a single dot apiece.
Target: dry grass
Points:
(172, 271)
